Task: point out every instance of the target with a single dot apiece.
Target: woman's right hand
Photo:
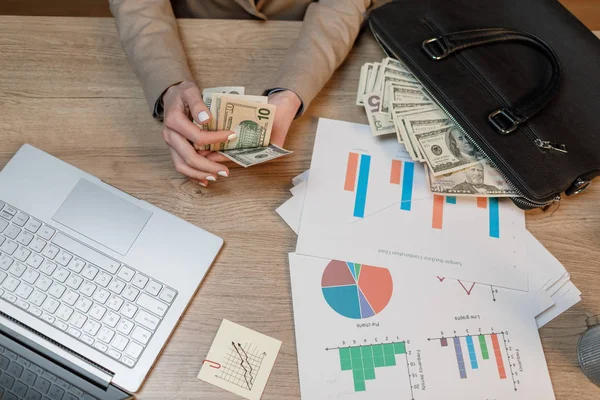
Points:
(183, 102)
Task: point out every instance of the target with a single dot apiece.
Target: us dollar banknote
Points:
(422, 118)
(252, 121)
(215, 106)
(365, 72)
(380, 123)
(207, 92)
(249, 157)
(481, 180)
(447, 149)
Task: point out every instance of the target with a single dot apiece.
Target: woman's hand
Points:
(181, 103)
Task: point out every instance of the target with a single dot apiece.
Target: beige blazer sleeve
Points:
(328, 32)
(148, 33)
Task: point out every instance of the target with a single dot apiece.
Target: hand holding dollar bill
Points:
(250, 117)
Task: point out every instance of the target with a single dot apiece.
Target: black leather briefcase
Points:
(520, 77)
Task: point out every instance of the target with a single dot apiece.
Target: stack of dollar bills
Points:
(396, 103)
(251, 117)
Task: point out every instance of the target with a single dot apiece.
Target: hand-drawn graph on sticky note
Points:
(242, 365)
(240, 360)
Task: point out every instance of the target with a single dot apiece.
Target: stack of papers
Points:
(385, 269)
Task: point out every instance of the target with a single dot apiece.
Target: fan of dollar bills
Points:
(251, 117)
(395, 102)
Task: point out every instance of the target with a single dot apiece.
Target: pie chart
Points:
(356, 291)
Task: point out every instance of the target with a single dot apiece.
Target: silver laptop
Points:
(95, 276)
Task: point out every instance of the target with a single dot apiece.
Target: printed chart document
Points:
(367, 201)
(240, 360)
(369, 332)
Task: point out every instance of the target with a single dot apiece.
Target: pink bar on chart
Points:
(482, 202)
(396, 172)
(438, 212)
(351, 172)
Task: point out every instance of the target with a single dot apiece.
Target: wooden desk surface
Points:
(66, 87)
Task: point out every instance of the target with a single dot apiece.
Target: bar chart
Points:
(363, 361)
(472, 352)
(359, 167)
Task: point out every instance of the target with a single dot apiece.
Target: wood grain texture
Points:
(588, 11)
(66, 87)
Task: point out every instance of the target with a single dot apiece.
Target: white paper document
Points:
(366, 332)
(240, 360)
(367, 201)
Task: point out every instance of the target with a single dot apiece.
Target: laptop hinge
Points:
(95, 374)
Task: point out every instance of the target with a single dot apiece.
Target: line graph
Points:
(242, 365)
(468, 287)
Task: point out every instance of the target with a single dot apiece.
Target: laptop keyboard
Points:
(107, 305)
(22, 379)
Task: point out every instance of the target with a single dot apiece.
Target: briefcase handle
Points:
(504, 120)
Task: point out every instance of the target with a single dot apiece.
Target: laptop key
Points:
(5, 215)
(3, 225)
(33, 395)
(11, 283)
(25, 238)
(17, 269)
(50, 376)
(9, 396)
(62, 384)
(37, 369)
(46, 232)
(22, 253)
(50, 251)
(6, 381)
(20, 389)
(153, 288)
(35, 260)
(5, 262)
(12, 232)
(33, 225)
(20, 218)
(15, 370)
(38, 245)
(42, 385)
(167, 295)
(55, 393)
(4, 362)
(70, 396)
(9, 247)
(11, 298)
(29, 377)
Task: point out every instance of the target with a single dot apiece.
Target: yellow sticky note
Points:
(240, 360)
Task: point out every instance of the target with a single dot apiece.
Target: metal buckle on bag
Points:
(504, 121)
(578, 186)
(440, 52)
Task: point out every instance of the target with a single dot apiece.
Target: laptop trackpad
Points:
(103, 217)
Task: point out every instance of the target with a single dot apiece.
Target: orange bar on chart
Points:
(438, 212)
(351, 172)
(498, 354)
(482, 202)
(396, 172)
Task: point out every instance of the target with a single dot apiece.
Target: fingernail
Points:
(202, 184)
(211, 178)
(223, 173)
(203, 116)
(232, 136)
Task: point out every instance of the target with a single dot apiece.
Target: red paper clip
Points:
(212, 364)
